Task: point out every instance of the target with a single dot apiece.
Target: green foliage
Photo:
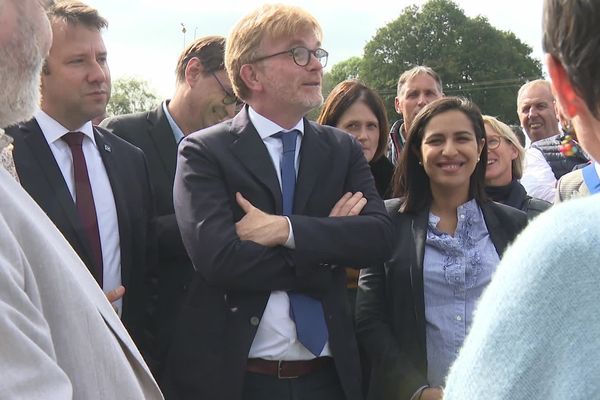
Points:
(130, 95)
(347, 69)
(473, 58)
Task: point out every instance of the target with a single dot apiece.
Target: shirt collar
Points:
(53, 130)
(468, 211)
(177, 132)
(266, 127)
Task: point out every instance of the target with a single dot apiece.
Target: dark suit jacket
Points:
(127, 172)
(234, 278)
(390, 308)
(151, 132)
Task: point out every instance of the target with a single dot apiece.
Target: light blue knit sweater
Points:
(536, 333)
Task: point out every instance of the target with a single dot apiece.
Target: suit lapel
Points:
(314, 156)
(33, 136)
(161, 134)
(119, 189)
(252, 153)
(496, 232)
(419, 231)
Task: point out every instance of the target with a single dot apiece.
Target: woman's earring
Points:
(421, 163)
(568, 146)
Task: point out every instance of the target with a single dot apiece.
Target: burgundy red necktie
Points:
(84, 200)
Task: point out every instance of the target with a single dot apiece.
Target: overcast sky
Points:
(145, 38)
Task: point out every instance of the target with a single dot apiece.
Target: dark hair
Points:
(410, 182)
(76, 13)
(210, 50)
(343, 96)
(572, 36)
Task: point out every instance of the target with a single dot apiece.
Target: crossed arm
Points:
(235, 244)
(273, 230)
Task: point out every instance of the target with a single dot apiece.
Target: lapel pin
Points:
(107, 148)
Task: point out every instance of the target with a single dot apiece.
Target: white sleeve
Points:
(538, 179)
(290, 243)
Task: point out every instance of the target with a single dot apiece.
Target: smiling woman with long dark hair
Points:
(414, 311)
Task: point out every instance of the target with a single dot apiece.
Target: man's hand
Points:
(260, 227)
(349, 205)
(432, 394)
(115, 295)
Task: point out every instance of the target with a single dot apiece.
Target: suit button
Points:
(254, 321)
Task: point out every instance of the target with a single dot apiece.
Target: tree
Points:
(130, 95)
(347, 69)
(473, 58)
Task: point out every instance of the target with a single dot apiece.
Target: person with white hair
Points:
(60, 336)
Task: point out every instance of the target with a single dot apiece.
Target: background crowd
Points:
(227, 247)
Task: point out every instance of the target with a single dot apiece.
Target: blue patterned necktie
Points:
(306, 311)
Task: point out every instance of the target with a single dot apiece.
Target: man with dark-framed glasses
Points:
(257, 200)
(203, 97)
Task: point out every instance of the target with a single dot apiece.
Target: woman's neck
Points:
(444, 205)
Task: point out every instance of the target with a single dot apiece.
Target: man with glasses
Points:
(202, 98)
(256, 199)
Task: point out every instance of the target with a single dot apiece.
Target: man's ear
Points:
(249, 75)
(193, 71)
(570, 103)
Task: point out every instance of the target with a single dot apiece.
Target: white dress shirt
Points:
(106, 210)
(538, 179)
(276, 337)
(177, 132)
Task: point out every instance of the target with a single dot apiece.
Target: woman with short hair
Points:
(505, 168)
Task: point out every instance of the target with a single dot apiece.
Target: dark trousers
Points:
(322, 384)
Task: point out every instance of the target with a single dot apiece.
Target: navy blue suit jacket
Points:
(127, 172)
(234, 278)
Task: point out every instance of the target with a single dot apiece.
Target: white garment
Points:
(106, 210)
(276, 337)
(538, 179)
(60, 337)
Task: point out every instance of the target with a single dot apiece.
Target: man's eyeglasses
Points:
(229, 98)
(301, 56)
